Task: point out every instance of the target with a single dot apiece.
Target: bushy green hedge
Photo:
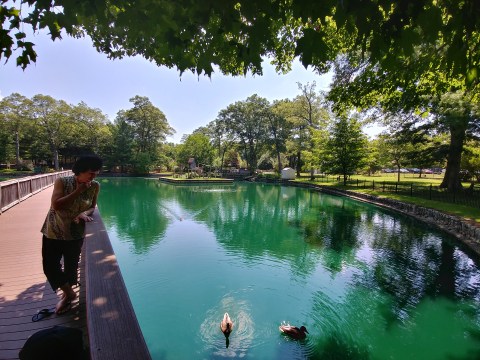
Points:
(268, 176)
(16, 172)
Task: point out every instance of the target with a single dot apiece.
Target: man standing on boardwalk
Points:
(74, 199)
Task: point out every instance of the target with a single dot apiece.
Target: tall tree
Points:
(167, 156)
(373, 161)
(278, 129)
(14, 112)
(150, 129)
(149, 123)
(248, 121)
(222, 136)
(346, 147)
(55, 121)
(91, 129)
(308, 115)
(196, 145)
(122, 151)
(319, 154)
(459, 113)
(7, 148)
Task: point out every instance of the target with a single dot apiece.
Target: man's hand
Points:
(82, 216)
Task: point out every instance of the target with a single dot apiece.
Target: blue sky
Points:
(72, 70)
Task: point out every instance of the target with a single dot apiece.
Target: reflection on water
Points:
(367, 283)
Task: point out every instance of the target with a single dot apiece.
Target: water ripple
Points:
(241, 339)
(295, 349)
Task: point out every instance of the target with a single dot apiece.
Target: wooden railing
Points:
(113, 329)
(16, 190)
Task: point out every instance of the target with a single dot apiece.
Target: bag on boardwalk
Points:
(58, 342)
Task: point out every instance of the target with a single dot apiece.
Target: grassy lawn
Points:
(466, 212)
(433, 179)
(404, 178)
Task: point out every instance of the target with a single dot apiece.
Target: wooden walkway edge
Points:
(114, 332)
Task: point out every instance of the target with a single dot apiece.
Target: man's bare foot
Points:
(64, 305)
(66, 299)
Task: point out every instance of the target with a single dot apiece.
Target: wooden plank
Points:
(114, 332)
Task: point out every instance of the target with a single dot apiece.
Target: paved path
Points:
(23, 286)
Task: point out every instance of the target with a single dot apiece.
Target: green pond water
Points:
(366, 282)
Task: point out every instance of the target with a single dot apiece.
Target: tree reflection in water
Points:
(370, 276)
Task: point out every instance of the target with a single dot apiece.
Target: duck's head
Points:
(304, 329)
(226, 318)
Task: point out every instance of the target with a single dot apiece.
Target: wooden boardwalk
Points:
(23, 286)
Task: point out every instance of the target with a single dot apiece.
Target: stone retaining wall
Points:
(466, 232)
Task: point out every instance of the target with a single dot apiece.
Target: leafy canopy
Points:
(236, 36)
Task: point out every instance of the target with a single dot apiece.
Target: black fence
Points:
(468, 196)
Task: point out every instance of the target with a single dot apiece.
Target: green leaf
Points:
(23, 61)
(472, 76)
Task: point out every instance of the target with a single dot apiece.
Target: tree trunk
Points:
(55, 159)
(223, 159)
(253, 158)
(17, 150)
(279, 162)
(298, 163)
(312, 146)
(451, 180)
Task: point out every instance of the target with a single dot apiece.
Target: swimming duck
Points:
(294, 332)
(226, 325)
